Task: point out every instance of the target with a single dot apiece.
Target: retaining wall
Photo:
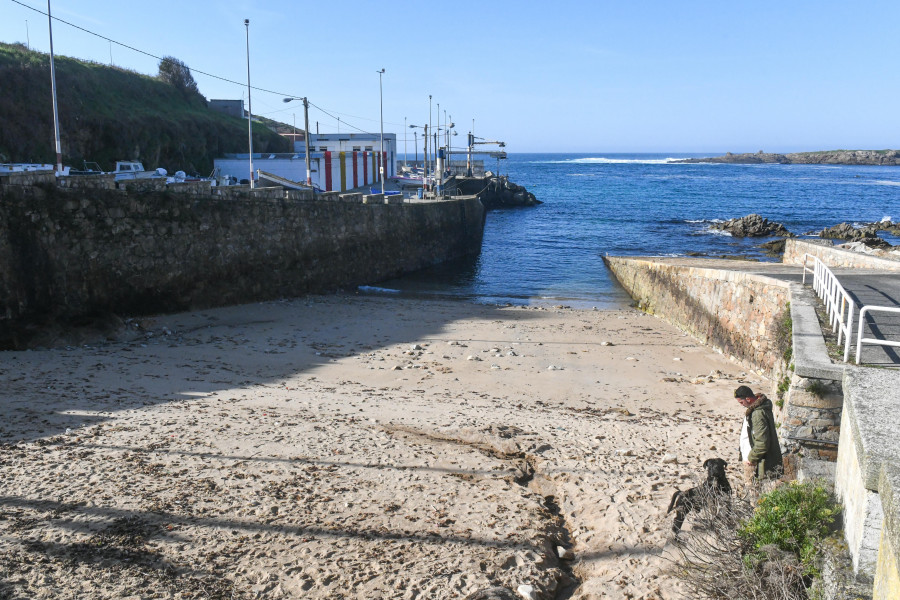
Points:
(867, 478)
(737, 313)
(66, 253)
(794, 250)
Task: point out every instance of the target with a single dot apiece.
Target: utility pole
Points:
(426, 137)
(404, 142)
(53, 89)
(249, 104)
(306, 140)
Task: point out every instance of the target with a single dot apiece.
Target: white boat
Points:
(132, 169)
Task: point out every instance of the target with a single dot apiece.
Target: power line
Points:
(193, 70)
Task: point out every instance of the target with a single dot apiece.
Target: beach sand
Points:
(358, 447)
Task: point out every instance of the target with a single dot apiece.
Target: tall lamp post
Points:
(249, 104)
(53, 88)
(305, 135)
(381, 102)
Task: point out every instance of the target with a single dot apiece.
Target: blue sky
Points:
(600, 76)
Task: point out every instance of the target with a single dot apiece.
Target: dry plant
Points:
(715, 562)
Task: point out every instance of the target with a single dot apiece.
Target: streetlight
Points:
(305, 135)
(249, 104)
(424, 129)
(53, 89)
(381, 158)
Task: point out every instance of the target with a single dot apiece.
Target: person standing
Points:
(760, 451)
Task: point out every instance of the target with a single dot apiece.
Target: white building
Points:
(338, 161)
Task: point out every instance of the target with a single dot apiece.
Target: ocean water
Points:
(641, 204)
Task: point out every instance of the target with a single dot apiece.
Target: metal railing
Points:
(859, 333)
(837, 302)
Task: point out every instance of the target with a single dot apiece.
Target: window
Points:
(356, 148)
(323, 148)
(368, 148)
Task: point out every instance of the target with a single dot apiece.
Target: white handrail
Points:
(860, 339)
(837, 301)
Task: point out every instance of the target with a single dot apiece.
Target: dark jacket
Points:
(765, 453)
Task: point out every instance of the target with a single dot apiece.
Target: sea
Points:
(639, 204)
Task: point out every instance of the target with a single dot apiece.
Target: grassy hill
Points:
(108, 114)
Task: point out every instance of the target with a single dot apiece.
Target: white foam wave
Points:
(704, 221)
(607, 161)
(377, 290)
(885, 182)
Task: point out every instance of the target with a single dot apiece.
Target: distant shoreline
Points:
(889, 158)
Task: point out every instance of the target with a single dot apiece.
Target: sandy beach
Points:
(358, 447)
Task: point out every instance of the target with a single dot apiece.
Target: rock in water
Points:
(845, 231)
(752, 226)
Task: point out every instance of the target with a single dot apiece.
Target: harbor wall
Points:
(736, 313)
(67, 253)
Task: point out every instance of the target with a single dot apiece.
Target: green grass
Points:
(108, 114)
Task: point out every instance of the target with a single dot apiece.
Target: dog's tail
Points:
(674, 501)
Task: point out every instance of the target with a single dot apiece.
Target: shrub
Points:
(794, 517)
(784, 334)
(817, 387)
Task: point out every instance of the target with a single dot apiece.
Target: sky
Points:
(564, 76)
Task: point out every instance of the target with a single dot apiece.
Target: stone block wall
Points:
(737, 313)
(27, 178)
(794, 250)
(95, 182)
(67, 253)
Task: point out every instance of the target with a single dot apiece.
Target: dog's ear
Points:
(724, 464)
(706, 463)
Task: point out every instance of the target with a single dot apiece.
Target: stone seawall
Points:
(737, 313)
(67, 253)
(834, 257)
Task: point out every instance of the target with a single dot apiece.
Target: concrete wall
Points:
(66, 253)
(737, 313)
(887, 569)
(868, 475)
(794, 250)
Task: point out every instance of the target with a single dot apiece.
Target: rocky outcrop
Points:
(752, 226)
(828, 157)
(503, 193)
(774, 247)
(845, 231)
(887, 226)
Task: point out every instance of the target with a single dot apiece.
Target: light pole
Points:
(424, 129)
(53, 88)
(381, 160)
(404, 143)
(249, 104)
(426, 139)
(305, 135)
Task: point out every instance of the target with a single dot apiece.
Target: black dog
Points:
(695, 498)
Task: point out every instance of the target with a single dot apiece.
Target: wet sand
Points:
(358, 447)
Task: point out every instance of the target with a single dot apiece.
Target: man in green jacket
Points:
(759, 437)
